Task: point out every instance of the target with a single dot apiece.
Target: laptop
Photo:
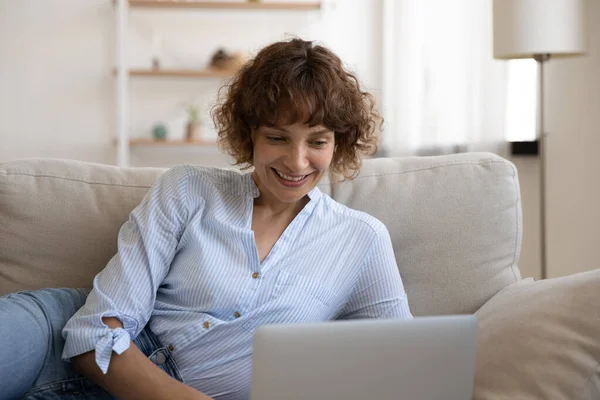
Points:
(426, 358)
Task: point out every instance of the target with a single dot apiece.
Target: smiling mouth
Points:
(289, 177)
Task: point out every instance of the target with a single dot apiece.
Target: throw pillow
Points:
(541, 340)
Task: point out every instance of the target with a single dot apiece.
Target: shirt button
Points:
(237, 314)
(255, 275)
(206, 324)
(161, 358)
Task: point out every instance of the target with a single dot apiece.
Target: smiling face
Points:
(290, 160)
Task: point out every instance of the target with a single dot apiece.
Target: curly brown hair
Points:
(293, 81)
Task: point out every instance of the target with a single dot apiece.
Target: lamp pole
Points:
(542, 142)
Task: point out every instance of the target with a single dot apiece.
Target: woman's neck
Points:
(278, 209)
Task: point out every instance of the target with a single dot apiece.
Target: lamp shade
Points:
(524, 28)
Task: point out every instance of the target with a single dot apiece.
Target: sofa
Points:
(456, 227)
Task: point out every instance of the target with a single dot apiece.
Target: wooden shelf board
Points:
(241, 5)
(169, 142)
(179, 73)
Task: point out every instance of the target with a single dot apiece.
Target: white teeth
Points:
(290, 178)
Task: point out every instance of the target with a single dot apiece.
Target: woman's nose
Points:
(297, 160)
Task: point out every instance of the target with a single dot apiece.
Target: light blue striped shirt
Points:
(188, 265)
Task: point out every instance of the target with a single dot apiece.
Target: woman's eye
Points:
(319, 143)
(275, 138)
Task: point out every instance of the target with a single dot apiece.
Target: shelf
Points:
(127, 144)
(170, 142)
(225, 5)
(180, 73)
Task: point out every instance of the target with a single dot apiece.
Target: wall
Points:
(56, 97)
(573, 121)
(528, 169)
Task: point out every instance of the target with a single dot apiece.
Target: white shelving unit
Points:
(124, 73)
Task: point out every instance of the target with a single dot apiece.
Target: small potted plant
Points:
(192, 129)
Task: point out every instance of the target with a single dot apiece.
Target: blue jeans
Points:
(31, 346)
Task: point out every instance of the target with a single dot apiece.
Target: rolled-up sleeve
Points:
(126, 288)
(379, 292)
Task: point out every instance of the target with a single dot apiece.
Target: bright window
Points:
(521, 101)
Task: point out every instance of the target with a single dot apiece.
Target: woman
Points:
(210, 254)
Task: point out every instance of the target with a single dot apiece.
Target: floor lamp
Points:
(539, 29)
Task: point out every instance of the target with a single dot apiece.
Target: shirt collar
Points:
(249, 185)
(315, 194)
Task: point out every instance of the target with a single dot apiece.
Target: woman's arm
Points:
(98, 338)
(133, 376)
(379, 292)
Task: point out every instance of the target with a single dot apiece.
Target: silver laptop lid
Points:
(427, 358)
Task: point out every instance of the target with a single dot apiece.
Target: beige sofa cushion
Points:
(59, 220)
(541, 340)
(455, 222)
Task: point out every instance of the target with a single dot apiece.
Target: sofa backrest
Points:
(455, 222)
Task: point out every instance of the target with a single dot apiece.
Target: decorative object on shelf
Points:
(192, 127)
(160, 131)
(223, 60)
(220, 59)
